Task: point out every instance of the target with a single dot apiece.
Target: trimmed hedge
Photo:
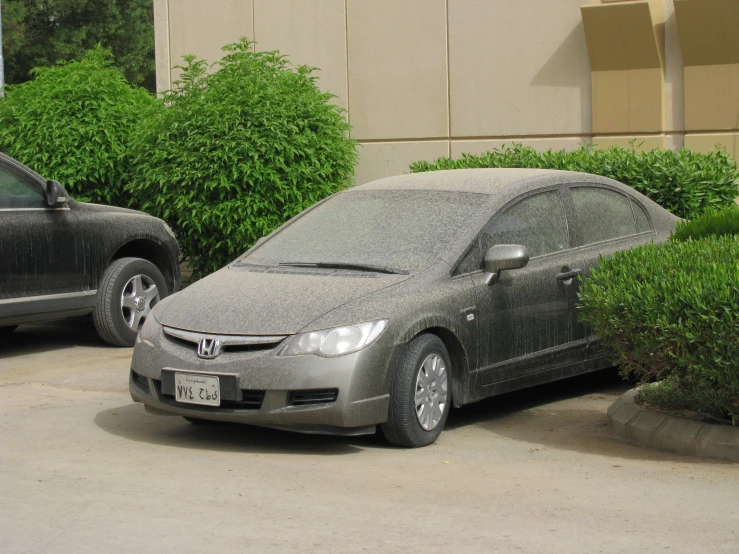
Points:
(72, 123)
(686, 326)
(684, 182)
(713, 222)
(237, 152)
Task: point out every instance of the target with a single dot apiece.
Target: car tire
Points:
(420, 395)
(130, 288)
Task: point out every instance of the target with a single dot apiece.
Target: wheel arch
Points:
(458, 358)
(151, 251)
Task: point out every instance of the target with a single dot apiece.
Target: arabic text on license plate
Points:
(193, 388)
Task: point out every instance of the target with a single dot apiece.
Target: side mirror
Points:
(504, 256)
(56, 196)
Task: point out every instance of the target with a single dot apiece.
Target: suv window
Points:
(15, 193)
(602, 214)
(538, 222)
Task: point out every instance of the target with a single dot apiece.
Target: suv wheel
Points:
(130, 288)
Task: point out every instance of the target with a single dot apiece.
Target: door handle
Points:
(566, 276)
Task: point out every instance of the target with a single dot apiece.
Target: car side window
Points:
(641, 218)
(471, 262)
(538, 222)
(602, 214)
(15, 193)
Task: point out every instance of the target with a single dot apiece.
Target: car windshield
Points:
(398, 230)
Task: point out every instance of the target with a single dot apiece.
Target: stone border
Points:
(672, 434)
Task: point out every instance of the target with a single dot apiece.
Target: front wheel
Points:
(420, 396)
(130, 289)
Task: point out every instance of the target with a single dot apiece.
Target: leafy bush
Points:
(713, 222)
(686, 326)
(684, 182)
(72, 124)
(239, 151)
(673, 396)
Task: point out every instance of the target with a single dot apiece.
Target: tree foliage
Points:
(239, 151)
(42, 33)
(72, 123)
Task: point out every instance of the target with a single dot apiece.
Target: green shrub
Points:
(684, 182)
(713, 222)
(72, 123)
(686, 325)
(674, 396)
(239, 151)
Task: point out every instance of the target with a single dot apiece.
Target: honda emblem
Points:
(209, 348)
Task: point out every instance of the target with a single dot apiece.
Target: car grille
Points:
(229, 343)
(140, 382)
(316, 396)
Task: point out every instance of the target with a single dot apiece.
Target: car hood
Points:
(242, 301)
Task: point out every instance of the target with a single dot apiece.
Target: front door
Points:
(37, 248)
(525, 319)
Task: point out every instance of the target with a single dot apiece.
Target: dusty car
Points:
(61, 258)
(390, 302)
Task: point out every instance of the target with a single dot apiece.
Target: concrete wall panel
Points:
(385, 159)
(397, 69)
(709, 142)
(640, 143)
(460, 147)
(517, 69)
(203, 28)
(311, 33)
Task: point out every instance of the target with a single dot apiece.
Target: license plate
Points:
(194, 388)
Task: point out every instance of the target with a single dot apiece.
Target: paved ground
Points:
(83, 469)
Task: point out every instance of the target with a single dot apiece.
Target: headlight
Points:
(150, 329)
(334, 342)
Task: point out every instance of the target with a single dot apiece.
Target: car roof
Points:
(495, 182)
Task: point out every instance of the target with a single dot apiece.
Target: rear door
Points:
(604, 221)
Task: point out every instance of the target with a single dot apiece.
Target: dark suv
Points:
(60, 258)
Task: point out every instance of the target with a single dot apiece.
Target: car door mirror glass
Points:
(56, 196)
(504, 256)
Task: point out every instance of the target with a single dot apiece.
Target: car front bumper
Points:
(343, 395)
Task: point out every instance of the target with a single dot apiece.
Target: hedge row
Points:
(685, 327)
(685, 183)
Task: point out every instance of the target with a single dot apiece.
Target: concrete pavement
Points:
(84, 469)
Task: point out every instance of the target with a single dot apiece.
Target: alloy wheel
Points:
(431, 392)
(139, 296)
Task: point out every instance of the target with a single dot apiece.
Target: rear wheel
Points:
(420, 396)
(130, 289)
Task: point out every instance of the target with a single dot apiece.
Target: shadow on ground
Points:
(567, 415)
(133, 423)
(56, 335)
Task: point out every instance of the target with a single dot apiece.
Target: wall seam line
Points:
(448, 83)
(346, 61)
(169, 49)
(253, 25)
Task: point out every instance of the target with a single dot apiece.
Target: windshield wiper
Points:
(341, 265)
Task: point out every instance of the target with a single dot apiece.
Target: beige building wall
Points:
(421, 79)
